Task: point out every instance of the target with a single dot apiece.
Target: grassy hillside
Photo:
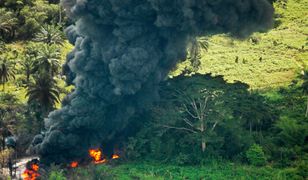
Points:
(265, 59)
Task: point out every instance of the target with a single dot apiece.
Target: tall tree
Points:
(196, 47)
(48, 60)
(27, 66)
(43, 92)
(50, 34)
(7, 23)
(6, 71)
(202, 114)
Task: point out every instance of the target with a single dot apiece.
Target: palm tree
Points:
(48, 60)
(196, 46)
(50, 34)
(27, 66)
(43, 92)
(6, 72)
(7, 22)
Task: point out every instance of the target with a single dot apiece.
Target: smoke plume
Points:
(123, 50)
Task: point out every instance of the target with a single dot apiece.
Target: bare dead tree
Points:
(197, 118)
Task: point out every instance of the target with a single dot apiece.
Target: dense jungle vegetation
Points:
(235, 109)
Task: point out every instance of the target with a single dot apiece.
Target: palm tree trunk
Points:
(3, 142)
(28, 73)
(60, 14)
(28, 79)
(306, 114)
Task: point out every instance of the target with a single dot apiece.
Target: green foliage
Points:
(291, 133)
(44, 92)
(50, 34)
(256, 156)
(27, 17)
(302, 168)
(47, 60)
(56, 176)
(22, 62)
(11, 114)
(91, 172)
(6, 71)
(165, 137)
(27, 66)
(195, 48)
(53, 172)
(304, 77)
(158, 170)
(8, 22)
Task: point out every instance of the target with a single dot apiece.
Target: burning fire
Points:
(74, 164)
(35, 167)
(115, 156)
(96, 154)
(31, 172)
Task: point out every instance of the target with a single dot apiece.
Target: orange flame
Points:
(35, 167)
(96, 154)
(31, 174)
(115, 156)
(74, 164)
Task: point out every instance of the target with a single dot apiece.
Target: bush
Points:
(255, 155)
(90, 172)
(4, 157)
(54, 175)
(182, 159)
(302, 169)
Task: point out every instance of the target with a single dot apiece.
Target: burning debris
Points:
(115, 156)
(31, 172)
(97, 157)
(96, 154)
(123, 50)
(74, 164)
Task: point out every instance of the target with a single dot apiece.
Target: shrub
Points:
(302, 169)
(90, 172)
(182, 159)
(4, 157)
(54, 175)
(255, 155)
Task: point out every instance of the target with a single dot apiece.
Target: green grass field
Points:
(157, 171)
(265, 60)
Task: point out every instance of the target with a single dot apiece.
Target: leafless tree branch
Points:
(179, 128)
(188, 122)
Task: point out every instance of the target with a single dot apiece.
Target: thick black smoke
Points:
(123, 50)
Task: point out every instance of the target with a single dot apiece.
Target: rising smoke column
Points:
(123, 50)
